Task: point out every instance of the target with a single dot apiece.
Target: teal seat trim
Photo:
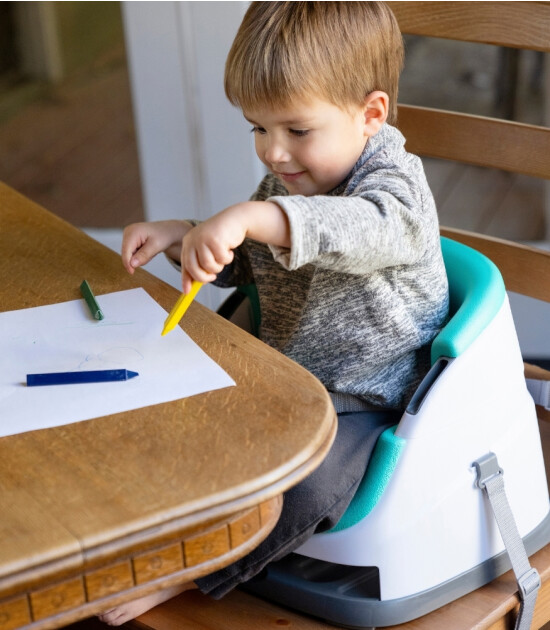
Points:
(251, 292)
(379, 471)
(476, 293)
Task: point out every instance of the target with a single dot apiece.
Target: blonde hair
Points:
(337, 51)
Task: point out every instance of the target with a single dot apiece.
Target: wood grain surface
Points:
(476, 140)
(519, 24)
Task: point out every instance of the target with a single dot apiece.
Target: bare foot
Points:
(130, 610)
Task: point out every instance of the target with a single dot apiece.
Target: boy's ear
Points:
(375, 110)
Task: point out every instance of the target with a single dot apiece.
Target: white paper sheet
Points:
(65, 338)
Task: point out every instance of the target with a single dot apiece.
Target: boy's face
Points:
(310, 147)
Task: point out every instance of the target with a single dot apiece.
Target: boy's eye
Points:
(256, 129)
(299, 132)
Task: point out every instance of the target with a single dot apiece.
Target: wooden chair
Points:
(485, 142)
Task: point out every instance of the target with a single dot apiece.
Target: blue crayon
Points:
(71, 378)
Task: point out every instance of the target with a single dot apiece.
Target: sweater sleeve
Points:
(358, 234)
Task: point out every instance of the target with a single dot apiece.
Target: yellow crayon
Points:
(180, 307)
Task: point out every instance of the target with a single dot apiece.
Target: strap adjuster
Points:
(529, 582)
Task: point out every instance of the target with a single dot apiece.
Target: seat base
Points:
(350, 596)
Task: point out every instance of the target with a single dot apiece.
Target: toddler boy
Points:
(341, 239)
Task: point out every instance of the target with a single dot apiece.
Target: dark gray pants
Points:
(316, 504)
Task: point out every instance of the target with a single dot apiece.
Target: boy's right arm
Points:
(142, 241)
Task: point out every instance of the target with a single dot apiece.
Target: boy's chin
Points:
(305, 188)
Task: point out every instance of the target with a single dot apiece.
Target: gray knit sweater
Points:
(362, 291)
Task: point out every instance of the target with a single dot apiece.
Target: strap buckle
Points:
(487, 468)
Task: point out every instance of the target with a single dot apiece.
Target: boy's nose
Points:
(276, 153)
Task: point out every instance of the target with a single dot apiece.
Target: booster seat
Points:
(420, 531)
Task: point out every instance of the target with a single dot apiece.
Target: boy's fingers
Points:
(220, 259)
(142, 255)
(220, 252)
(200, 276)
(193, 268)
(186, 282)
(209, 264)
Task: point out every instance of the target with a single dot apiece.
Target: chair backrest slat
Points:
(520, 24)
(525, 269)
(478, 140)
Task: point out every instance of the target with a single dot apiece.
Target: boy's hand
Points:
(208, 247)
(142, 241)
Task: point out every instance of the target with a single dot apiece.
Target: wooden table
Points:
(102, 511)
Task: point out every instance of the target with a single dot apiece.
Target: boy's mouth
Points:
(289, 177)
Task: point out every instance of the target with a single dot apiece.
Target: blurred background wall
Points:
(67, 136)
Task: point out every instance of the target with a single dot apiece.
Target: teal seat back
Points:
(476, 294)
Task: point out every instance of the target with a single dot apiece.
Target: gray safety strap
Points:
(490, 479)
(540, 391)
